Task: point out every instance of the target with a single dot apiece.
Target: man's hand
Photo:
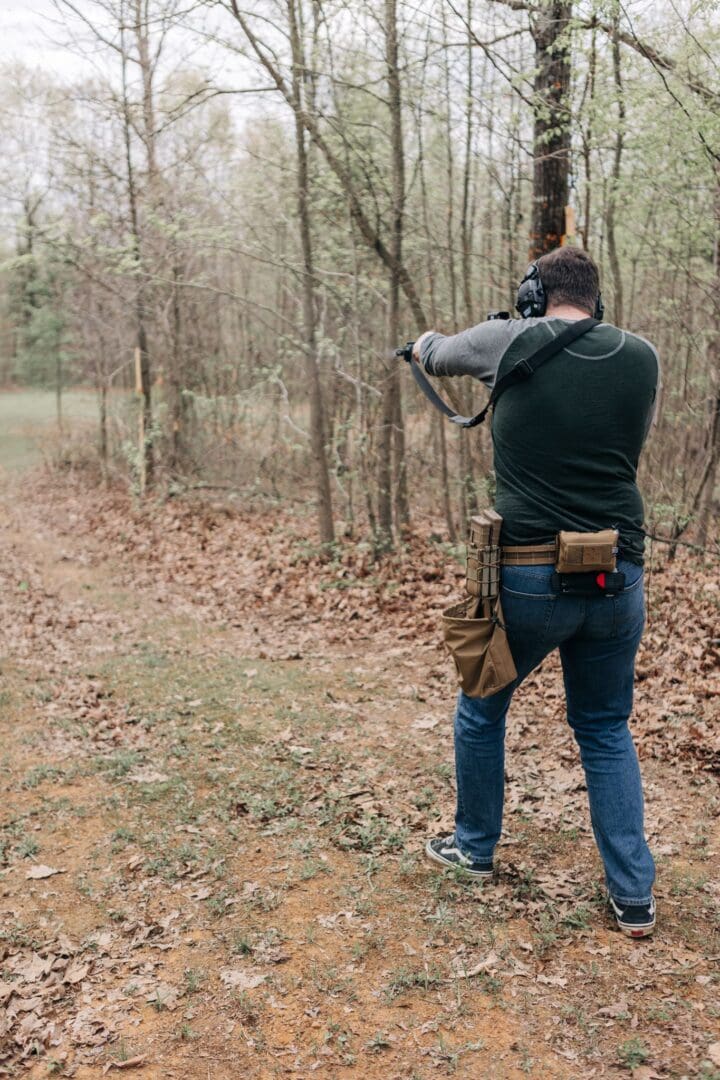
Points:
(418, 343)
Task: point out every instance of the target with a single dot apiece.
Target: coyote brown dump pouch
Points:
(473, 629)
(580, 553)
(476, 639)
(482, 567)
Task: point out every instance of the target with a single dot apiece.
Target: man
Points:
(566, 448)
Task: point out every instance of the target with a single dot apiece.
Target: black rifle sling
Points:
(519, 372)
(431, 394)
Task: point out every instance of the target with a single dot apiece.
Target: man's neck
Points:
(565, 311)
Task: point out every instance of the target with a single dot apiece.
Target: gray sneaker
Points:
(444, 850)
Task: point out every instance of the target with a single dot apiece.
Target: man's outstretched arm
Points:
(477, 351)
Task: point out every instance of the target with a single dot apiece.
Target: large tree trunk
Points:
(317, 416)
(551, 135)
(392, 436)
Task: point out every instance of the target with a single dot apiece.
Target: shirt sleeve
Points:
(477, 351)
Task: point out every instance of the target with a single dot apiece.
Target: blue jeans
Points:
(598, 638)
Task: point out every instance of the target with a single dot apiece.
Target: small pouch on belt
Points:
(582, 553)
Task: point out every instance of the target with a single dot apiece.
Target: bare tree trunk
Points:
(317, 418)
(142, 22)
(147, 464)
(450, 180)
(392, 411)
(469, 495)
(707, 496)
(587, 133)
(465, 213)
(361, 389)
(58, 391)
(391, 415)
(618, 313)
(551, 135)
(707, 489)
(437, 419)
(178, 443)
(430, 247)
(103, 448)
(465, 480)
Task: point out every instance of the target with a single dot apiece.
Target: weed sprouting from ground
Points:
(633, 1052)
(404, 978)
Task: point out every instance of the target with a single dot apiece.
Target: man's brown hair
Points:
(569, 276)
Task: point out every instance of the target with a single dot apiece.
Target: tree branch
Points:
(369, 234)
(658, 59)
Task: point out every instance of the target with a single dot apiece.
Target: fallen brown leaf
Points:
(460, 971)
(129, 1063)
(41, 871)
(241, 980)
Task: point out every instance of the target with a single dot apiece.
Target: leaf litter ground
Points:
(221, 758)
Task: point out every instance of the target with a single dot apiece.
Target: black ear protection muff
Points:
(531, 300)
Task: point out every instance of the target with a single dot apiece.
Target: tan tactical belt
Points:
(529, 555)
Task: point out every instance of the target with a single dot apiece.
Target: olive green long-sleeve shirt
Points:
(567, 441)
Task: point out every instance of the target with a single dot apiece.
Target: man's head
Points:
(569, 277)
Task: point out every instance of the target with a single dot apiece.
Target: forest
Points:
(230, 219)
(231, 522)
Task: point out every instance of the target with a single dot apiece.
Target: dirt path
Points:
(212, 856)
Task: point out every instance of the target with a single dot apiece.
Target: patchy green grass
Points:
(28, 423)
(235, 819)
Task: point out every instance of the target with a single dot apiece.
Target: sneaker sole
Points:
(634, 931)
(479, 874)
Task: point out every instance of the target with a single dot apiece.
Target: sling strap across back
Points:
(518, 373)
